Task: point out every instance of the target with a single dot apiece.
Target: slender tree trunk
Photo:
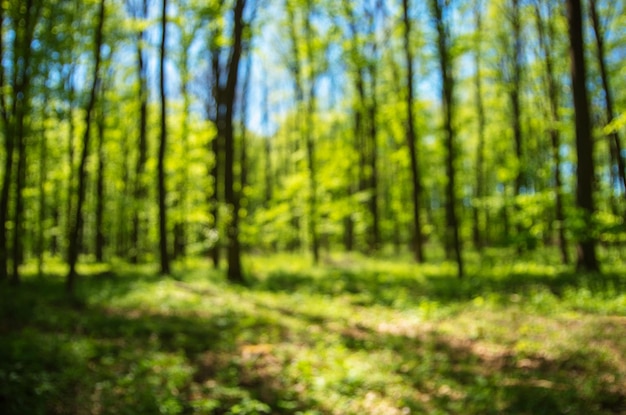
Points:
(616, 144)
(479, 191)
(181, 225)
(295, 68)
(8, 162)
(77, 223)
(447, 99)
(24, 34)
(310, 140)
(234, 272)
(162, 191)
(99, 241)
(514, 90)
(412, 142)
(586, 249)
(268, 149)
(71, 144)
(216, 150)
(140, 190)
(18, 230)
(373, 164)
(555, 139)
(43, 176)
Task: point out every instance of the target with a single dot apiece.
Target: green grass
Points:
(355, 335)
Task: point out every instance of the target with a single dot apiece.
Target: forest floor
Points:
(355, 335)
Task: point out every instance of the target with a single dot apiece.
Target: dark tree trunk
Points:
(586, 248)
(479, 191)
(615, 144)
(514, 88)
(140, 190)
(373, 164)
(162, 191)
(182, 223)
(447, 99)
(216, 150)
(296, 72)
(310, 141)
(8, 164)
(268, 150)
(412, 142)
(18, 227)
(99, 241)
(545, 40)
(15, 136)
(77, 223)
(43, 176)
(225, 128)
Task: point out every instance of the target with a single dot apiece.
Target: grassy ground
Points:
(353, 336)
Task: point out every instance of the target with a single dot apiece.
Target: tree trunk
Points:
(225, 126)
(268, 150)
(447, 100)
(479, 191)
(162, 191)
(43, 175)
(99, 241)
(586, 248)
(15, 134)
(140, 190)
(412, 143)
(216, 150)
(555, 139)
(310, 140)
(373, 164)
(77, 223)
(616, 144)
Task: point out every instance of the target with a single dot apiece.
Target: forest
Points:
(312, 206)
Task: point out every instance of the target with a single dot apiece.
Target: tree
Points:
(14, 110)
(547, 35)
(161, 185)
(305, 68)
(138, 9)
(479, 187)
(617, 157)
(441, 12)
(77, 223)
(412, 140)
(225, 82)
(586, 248)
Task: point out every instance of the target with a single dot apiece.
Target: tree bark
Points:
(412, 143)
(162, 190)
(140, 190)
(479, 191)
(77, 223)
(447, 100)
(586, 248)
(545, 40)
(615, 144)
(15, 135)
(225, 128)
(99, 239)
